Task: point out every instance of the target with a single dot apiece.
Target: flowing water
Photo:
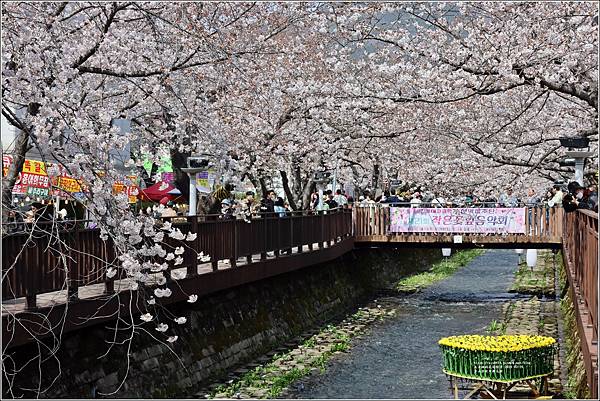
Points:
(401, 358)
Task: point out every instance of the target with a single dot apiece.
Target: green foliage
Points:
(497, 327)
(493, 326)
(540, 279)
(274, 379)
(438, 271)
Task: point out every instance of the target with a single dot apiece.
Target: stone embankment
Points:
(305, 357)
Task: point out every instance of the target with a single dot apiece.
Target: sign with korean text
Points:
(6, 162)
(32, 185)
(205, 181)
(457, 220)
(131, 190)
(34, 167)
(68, 184)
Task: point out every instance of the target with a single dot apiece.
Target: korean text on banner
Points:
(457, 220)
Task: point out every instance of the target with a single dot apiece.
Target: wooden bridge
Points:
(543, 229)
(38, 292)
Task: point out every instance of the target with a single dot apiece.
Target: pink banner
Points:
(457, 220)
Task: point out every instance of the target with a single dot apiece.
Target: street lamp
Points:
(196, 163)
(531, 258)
(519, 252)
(576, 157)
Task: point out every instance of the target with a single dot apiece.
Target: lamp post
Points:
(519, 252)
(196, 163)
(579, 163)
(446, 252)
(335, 172)
(578, 156)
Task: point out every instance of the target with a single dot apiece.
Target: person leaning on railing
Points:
(576, 198)
(557, 196)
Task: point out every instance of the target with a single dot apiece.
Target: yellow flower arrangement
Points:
(505, 358)
(506, 343)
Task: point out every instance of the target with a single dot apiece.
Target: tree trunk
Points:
(263, 186)
(20, 150)
(309, 187)
(182, 181)
(286, 189)
(376, 173)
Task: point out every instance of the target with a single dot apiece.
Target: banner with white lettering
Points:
(457, 220)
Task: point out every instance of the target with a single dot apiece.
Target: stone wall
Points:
(224, 330)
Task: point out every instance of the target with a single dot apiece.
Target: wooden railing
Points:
(542, 224)
(580, 244)
(37, 261)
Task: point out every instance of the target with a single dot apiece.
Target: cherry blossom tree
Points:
(452, 96)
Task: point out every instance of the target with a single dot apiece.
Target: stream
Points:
(400, 358)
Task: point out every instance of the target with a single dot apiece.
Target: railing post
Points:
(109, 284)
(73, 274)
(233, 261)
(30, 302)
(192, 269)
(289, 250)
(278, 244)
(322, 237)
(301, 245)
(263, 254)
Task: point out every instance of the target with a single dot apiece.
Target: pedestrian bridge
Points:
(541, 228)
(58, 280)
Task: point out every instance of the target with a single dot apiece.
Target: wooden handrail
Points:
(32, 262)
(580, 244)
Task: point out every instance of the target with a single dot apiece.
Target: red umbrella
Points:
(157, 191)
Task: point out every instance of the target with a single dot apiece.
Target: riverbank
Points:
(273, 377)
(537, 315)
(439, 271)
(539, 279)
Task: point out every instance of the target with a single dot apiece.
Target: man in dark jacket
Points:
(393, 198)
(267, 204)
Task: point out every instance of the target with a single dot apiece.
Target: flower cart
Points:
(495, 364)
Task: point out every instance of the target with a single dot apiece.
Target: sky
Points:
(8, 134)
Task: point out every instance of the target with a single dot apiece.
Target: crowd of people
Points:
(571, 197)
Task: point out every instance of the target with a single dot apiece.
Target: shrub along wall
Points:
(226, 329)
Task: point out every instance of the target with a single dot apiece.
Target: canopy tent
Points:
(158, 191)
